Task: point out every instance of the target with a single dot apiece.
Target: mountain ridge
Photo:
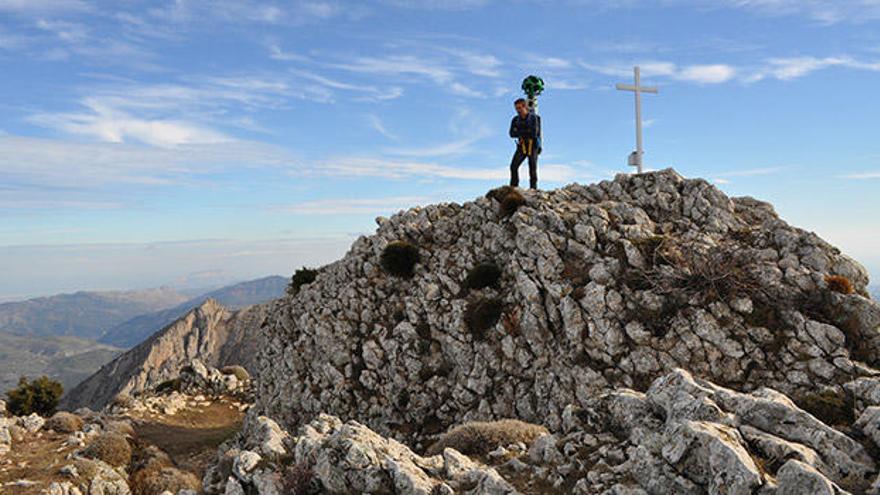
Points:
(210, 333)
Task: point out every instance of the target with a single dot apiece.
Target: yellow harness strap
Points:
(522, 144)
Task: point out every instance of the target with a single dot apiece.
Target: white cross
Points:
(635, 159)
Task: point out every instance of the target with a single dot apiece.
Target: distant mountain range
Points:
(82, 314)
(136, 330)
(69, 336)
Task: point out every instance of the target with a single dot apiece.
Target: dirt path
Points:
(191, 436)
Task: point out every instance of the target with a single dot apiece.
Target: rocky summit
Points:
(669, 338)
(642, 335)
(601, 286)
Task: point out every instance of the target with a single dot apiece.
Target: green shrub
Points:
(111, 448)
(239, 372)
(483, 275)
(64, 422)
(399, 258)
(480, 438)
(39, 396)
(301, 277)
(482, 315)
(839, 283)
(511, 203)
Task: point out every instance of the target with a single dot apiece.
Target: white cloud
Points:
(398, 169)
(352, 206)
(46, 164)
(117, 127)
(706, 74)
(42, 7)
(862, 176)
(376, 123)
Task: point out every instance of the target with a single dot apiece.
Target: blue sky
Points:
(195, 142)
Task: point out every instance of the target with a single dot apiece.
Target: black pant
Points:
(517, 160)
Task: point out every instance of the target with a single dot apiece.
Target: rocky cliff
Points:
(601, 286)
(211, 333)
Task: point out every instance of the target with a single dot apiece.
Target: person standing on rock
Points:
(526, 129)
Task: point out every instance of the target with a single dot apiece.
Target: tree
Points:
(39, 396)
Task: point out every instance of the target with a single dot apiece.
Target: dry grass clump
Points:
(509, 197)
(482, 315)
(122, 400)
(483, 275)
(86, 469)
(111, 448)
(839, 283)
(511, 203)
(299, 479)
(158, 480)
(239, 372)
(121, 427)
(399, 258)
(480, 438)
(832, 408)
(64, 422)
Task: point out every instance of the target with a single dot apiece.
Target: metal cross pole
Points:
(635, 159)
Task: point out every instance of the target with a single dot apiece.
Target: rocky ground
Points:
(646, 335)
(161, 440)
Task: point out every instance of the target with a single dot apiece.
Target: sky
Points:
(196, 142)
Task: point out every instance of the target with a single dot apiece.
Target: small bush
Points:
(111, 448)
(122, 400)
(39, 396)
(482, 276)
(157, 480)
(480, 438)
(839, 283)
(169, 386)
(122, 427)
(64, 422)
(483, 315)
(399, 258)
(511, 203)
(299, 479)
(301, 277)
(239, 372)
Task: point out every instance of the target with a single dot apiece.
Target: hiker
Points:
(526, 129)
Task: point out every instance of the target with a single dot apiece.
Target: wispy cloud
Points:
(401, 169)
(375, 122)
(862, 175)
(352, 206)
(47, 163)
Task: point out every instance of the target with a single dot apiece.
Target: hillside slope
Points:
(135, 330)
(82, 314)
(211, 333)
(66, 359)
(602, 286)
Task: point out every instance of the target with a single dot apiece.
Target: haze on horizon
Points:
(187, 141)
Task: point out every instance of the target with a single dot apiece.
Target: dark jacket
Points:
(527, 128)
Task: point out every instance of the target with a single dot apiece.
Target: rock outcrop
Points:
(210, 333)
(603, 286)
